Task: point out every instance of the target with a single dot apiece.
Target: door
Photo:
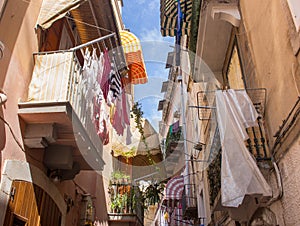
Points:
(30, 205)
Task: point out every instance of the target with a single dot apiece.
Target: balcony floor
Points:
(70, 131)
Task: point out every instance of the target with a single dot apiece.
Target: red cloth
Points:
(104, 84)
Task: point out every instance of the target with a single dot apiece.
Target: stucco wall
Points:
(266, 36)
(290, 202)
(17, 32)
(267, 31)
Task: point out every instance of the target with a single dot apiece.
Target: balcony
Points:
(58, 112)
(256, 144)
(126, 202)
(174, 154)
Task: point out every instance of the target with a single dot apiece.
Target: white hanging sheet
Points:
(240, 175)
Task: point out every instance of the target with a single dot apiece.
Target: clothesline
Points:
(105, 97)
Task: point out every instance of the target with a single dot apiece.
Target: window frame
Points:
(294, 13)
(233, 43)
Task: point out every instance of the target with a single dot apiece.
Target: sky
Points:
(142, 18)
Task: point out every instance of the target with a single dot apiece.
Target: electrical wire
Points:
(79, 21)
(16, 139)
(12, 133)
(88, 24)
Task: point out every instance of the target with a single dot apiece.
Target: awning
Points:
(121, 145)
(134, 57)
(174, 188)
(168, 16)
(87, 15)
(53, 10)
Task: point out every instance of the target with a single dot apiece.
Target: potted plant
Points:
(118, 177)
(116, 204)
(153, 194)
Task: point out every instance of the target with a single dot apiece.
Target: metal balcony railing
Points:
(57, 77)
(257, 143)
(126, 203)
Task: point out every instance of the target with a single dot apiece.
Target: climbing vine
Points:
(138, 118)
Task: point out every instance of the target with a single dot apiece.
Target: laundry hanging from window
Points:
(240, 176)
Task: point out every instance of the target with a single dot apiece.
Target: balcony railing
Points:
(57, 77)
(61, 97)
(126, 204)
(257, 143)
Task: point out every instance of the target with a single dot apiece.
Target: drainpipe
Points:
(186, 154)
(279, 183)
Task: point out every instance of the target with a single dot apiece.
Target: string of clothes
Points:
(104, 94)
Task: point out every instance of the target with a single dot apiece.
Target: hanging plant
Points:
(138, 118)
(153, 193)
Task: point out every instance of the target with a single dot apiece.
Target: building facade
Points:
(56, 130)
(252, 47)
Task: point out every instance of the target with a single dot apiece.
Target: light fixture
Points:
(55, 175)
(3, 97)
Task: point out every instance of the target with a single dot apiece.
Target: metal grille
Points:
(257, 143)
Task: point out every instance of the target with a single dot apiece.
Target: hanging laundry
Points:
(100, 68)
(101, 119)
(105, 82)
(115, 84)
(91, 83)
(175, 127)
(125, 109)
(83, 86)
(240, 176)
(118, 119)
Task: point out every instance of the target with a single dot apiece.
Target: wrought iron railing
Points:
(126, 200)
(172, 139)
(257, 143)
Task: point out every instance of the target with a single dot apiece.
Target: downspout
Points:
(180, 78)
(186, 154)
(279, 183)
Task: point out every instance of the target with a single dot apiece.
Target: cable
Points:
(91, 25)
(13, 134)
(88, 24)
(17, 141)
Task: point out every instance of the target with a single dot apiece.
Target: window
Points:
(257, 143)
(294, 6)
(234, 70)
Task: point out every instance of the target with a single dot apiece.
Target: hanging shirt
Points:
(115, 84)
(105, 82)
(118, 119)
(240, 175)
(125, 108)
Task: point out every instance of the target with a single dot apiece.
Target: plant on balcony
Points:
(214, 176)
(153, 194)
(116, 203)
(118, 177)
(137, 114)
(173, 138)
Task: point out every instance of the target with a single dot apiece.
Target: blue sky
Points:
(143, 19)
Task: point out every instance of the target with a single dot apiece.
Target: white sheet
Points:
(240, 175)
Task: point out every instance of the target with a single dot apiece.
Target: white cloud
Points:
(140, 2)
(151, 35)
(153, 5)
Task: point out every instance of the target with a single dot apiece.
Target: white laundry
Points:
(240, 175)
